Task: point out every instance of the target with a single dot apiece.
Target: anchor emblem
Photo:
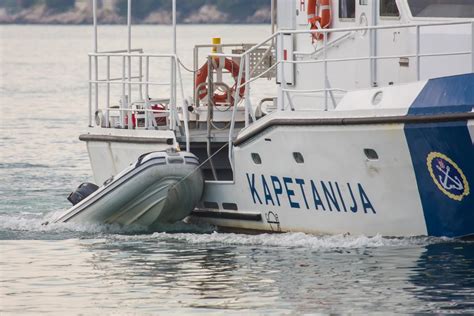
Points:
(447, 181)
(447, 176)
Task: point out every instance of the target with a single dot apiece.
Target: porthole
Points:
(298, 157)
(371, 154)
(256, 158)
(377, 98)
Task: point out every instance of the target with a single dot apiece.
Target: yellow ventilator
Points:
(216, 42)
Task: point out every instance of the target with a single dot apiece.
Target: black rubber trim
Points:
(422, 119)
(125, 139)
(228, 215)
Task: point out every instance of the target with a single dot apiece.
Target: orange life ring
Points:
(319, 12)
(230, 66)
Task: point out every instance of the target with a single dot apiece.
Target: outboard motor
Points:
(82, 191)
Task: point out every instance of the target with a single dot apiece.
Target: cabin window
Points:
(442, 8)
(388, 8)
(347, 9)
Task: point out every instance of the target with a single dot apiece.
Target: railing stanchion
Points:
(96, 88)
(147, 77)
(90, 91)
(326, 79)
(247, 90)
(172, 105)
(107, 123)
(234, 111)
(129, 73)
(418, 58)
(124, 99)
(371, 61)
(140, 76)
(185, 106)
(283, 79)
(279, 54)
(129, 98)
(96, 85)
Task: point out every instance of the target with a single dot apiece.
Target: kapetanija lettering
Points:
(309, 194)
(447, 176)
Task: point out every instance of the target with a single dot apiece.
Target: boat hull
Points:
(405, 172)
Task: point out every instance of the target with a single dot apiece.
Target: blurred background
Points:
(144, 11)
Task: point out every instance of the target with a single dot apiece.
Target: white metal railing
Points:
(135, 88)
(328, 90)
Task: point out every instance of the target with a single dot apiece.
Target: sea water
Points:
(92, 269)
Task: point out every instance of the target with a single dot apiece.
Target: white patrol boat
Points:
(370, 130)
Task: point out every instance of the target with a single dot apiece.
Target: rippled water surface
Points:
(88, 269)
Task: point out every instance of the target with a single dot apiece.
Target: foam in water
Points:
(290, 240)
(39, 223)
(192, 234)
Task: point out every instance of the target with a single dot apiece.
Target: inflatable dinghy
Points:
(160, 187)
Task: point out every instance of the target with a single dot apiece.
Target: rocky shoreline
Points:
(207, 14)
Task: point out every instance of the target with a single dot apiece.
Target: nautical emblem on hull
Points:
(447, 176)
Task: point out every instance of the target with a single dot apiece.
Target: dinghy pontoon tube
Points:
(160, 187)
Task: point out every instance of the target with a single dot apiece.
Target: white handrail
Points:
(129, 80)
(102, 54)
(375, 27)
(138, 110)
(184, 107)
(318, 61)
(151, 83)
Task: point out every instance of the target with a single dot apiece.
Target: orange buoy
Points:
(232, 68)
(319, 17)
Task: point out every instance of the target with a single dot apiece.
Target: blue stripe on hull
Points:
(443, 157)
(445, 95)
(444, 215)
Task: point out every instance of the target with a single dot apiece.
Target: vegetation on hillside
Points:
(235, 10)
(54, 5)
(238, 9)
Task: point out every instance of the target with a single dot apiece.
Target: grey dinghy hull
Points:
(161, 187)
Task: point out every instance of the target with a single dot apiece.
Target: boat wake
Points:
(29, 225)
(290, 240)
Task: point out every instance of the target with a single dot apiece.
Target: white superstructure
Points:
(370, 131)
